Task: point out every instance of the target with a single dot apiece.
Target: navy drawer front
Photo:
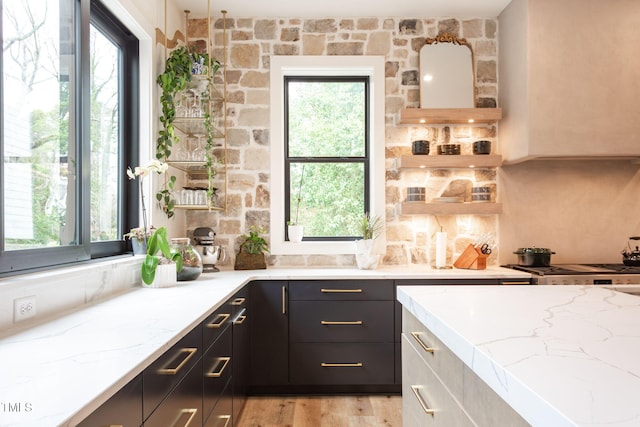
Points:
(336, 290)
(341, 321)
(167, 371)
(342, 363)
(222, 413)
(217, 370)
(214, 325)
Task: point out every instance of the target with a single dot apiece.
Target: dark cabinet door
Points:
(123, 409)
(241, 324)
(268, 334)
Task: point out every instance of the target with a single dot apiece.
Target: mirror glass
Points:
(446, 73)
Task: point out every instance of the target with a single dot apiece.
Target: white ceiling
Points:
(347, 8)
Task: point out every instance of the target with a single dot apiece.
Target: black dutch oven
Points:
(534, 257)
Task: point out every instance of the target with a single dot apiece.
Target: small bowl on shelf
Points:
(448, 149)
(482, 147)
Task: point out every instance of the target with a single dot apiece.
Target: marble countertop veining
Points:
(559, 355)
(58, 372)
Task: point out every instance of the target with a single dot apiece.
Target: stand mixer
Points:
(211, 254)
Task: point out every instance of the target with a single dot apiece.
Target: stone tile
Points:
(256, 158)
(256, 117)
(255, 79)
(261, 136)
(487, 71)
(379, 43)
(238, 35)
(472, 28)
(258, 97)
(285, 49)
(450, 26)
(244, 55)
(319, 26)
(290, 34)
(348, 48)
(263, 197)
(265, 29)
(313, 44)
(367, 24)
(410, 26)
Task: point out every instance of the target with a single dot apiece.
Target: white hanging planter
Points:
(296, 233)
(166, 276)
(365, 258)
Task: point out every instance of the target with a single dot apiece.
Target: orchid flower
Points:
(153, 166)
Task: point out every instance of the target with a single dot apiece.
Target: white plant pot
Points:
(296, 233)
(365, 258)
(166, 276)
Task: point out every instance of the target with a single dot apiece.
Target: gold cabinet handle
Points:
(185, 415)
(330, 323)
(526, 282)
(240, 320)
(341, 291)
(222, 362)
(342, 365)
(416, 390)
(238, 301)
(425, 347)
(227, 419)
(172, 371)
(219, 321)
(284, 300)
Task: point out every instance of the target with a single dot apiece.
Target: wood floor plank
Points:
(322, 411)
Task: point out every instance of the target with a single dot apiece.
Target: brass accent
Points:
(172, 371)
(329, 322)
(421, 401)
(446, 37)
(342, 365)
(339, 291)
(222, 318)
(284, 300)
(425, 347)
(190, 412)
(223, 362)
(225, 417)
(238, 301)
(240, 320)
(525, 282)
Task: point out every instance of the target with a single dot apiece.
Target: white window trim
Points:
(281, 66)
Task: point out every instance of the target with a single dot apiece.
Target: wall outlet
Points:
(24, 308)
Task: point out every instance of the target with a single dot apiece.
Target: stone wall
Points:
(252, 42)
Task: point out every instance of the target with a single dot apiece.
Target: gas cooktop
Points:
(574, 269)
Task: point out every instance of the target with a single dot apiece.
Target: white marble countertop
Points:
(559, 355)
(58, 372)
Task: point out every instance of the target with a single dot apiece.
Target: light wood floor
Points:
(322, 411)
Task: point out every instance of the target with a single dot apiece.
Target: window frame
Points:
(88, 12)
(326, 67)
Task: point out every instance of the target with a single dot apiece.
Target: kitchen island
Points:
(557, 355)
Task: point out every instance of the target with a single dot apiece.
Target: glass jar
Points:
(191, 259)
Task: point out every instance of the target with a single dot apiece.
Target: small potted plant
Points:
(161, 265)
(139, 239)
(251, 255)
(370, 228)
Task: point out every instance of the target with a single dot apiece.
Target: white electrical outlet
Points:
(24, 308)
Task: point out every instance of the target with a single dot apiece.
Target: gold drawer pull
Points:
(341, 365)
(222, 362)
(284, 300)
(526, 282)
(240, 320)
(190, 413)
(421, 401)
(341, 291)
(238, 301)
(172, 371)
(425, 347)
(219, 321)
(328, 322)
(227, 419)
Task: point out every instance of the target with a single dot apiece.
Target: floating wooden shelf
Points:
(422, 116)
(194, 126)
(417, 208)
(450, 161)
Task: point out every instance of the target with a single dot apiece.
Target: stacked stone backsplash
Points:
(252, 42)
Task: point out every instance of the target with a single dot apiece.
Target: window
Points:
(327, 136)
(68, 113)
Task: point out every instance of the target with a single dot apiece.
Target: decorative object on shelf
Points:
(295, 231)
(139, 239)
(191, 259)
(158, 244)
(416, 194)
(251, 255)
(370, 228)
(420, 147)
(449, 149)
(482, 147)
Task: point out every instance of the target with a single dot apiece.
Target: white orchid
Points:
(153, 166)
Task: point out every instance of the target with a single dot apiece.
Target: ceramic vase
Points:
(365, 258)
(139, 246)
(165, 277)
(296, 232)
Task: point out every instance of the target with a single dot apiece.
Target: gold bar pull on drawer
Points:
(238, 301)
(330, 323)
(185, 417)
(342, 365)
(222, 362)
(240, 320)
(341, 291)
(511, 282)
(172, 371)
(416, 390)
(227, 419)
(218, 321)
(425, 347)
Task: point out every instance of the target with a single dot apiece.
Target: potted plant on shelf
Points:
(295, 230)
(370, 228)
(251, 255)
(139, 238)
(180, 66)
(162, 264)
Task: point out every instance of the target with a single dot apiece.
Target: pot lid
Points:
(534, 250)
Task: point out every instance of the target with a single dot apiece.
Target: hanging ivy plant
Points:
(175, 78)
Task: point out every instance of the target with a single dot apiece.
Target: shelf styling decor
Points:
(370, 228)
(139, 239)
(161, 265)
(251, 255)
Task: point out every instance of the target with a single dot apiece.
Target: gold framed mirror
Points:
(447, 75)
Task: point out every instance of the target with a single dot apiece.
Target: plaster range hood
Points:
(568, 87)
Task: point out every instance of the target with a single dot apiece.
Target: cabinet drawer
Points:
(222, 414)
(335, 290)
(341, 321)
(215, 324)
(167, 371)
(183, 406)
(442, 360)
(425, 400)
(217, 369)
(341, 363)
